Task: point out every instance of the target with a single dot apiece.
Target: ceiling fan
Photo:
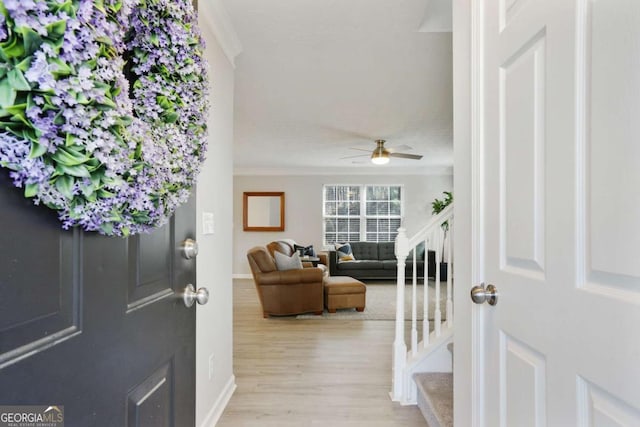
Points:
(381, 154)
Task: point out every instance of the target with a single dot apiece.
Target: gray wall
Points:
(303, 206)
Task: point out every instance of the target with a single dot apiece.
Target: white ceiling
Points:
(318, 77)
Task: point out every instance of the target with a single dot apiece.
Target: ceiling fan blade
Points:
(353, 157)
(397, 148)
(406, 156)
(368, 150)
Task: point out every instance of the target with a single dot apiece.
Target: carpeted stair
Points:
(435, 397)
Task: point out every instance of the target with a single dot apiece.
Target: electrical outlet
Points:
(211, 367)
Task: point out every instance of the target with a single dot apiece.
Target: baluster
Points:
(449, 276)
(399, 344)
(414, 308)
(425, 309)
(437, 314)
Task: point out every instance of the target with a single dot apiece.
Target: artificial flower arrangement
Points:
(103, 108)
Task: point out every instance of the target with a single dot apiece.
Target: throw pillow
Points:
(306, 250)
(284, 262)
(344, 252)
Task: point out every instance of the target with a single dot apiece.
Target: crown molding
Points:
(377, 170)
(214, 15)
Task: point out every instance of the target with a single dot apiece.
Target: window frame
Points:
(362, 216)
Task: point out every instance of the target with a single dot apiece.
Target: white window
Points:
(353, 213)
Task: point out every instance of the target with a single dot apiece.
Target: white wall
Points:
(214, 327)
(303, 206)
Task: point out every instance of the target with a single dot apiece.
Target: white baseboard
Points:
(216, 411)
(241, 276)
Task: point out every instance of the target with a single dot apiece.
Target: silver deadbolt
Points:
(190, 248)
(189, 296)
(480, 294)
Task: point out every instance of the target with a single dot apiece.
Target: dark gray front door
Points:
(95, 323)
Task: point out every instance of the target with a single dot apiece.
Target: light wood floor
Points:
(311, 372)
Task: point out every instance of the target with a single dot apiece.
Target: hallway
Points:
(311, 372)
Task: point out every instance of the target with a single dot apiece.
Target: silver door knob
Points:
(480, 294)
(190, 248)
(189, 296)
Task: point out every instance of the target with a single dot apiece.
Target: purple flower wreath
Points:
(103, 107)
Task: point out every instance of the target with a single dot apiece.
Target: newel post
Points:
(399, 345)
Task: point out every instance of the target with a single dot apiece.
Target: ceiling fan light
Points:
(380, 158)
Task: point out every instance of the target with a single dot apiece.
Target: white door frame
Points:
(468, 337)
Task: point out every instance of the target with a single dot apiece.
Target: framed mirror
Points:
(263, 211)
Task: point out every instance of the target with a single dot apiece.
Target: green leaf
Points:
(68, 157)
(171, 117)
(106, 105)
(64, 184)
(7, 94)
(17, 80)
(17, 109)
(30, 103)
(31, 40)
(30, 134)
(37, 150)
(163, 102)
(68, 8)
(59, 119)
(56, 29)
(104, 39)
(30, 190)
(12, 48)
(96, 178)
(104, 194)
(124, 120)
(87, 190)
(25, 64)
(107, 228)
(18, 114)
(79, 171)
(82, 99)
(63, 69)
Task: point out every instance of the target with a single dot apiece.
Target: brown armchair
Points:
(285, 292)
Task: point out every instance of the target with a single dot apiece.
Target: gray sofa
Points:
(378, 261)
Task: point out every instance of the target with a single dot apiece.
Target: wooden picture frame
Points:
(263, 211)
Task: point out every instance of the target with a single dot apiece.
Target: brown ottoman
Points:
(344, 292)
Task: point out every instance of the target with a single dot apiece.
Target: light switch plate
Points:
(208, 223)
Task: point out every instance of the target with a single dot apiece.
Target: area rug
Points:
(381, 304)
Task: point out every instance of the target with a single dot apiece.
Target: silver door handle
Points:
(189, 296)
(480, 294)
(189, 248)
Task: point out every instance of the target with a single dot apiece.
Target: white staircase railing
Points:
(435, 237)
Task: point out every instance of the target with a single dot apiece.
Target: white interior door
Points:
(559, 157)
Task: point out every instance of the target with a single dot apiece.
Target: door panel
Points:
(611, 104)
(599, 408)
(95, 323)
(522, 166)
(150, 266)
(38, 283)
(523, 376)
(560, 92)
(149, 403)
